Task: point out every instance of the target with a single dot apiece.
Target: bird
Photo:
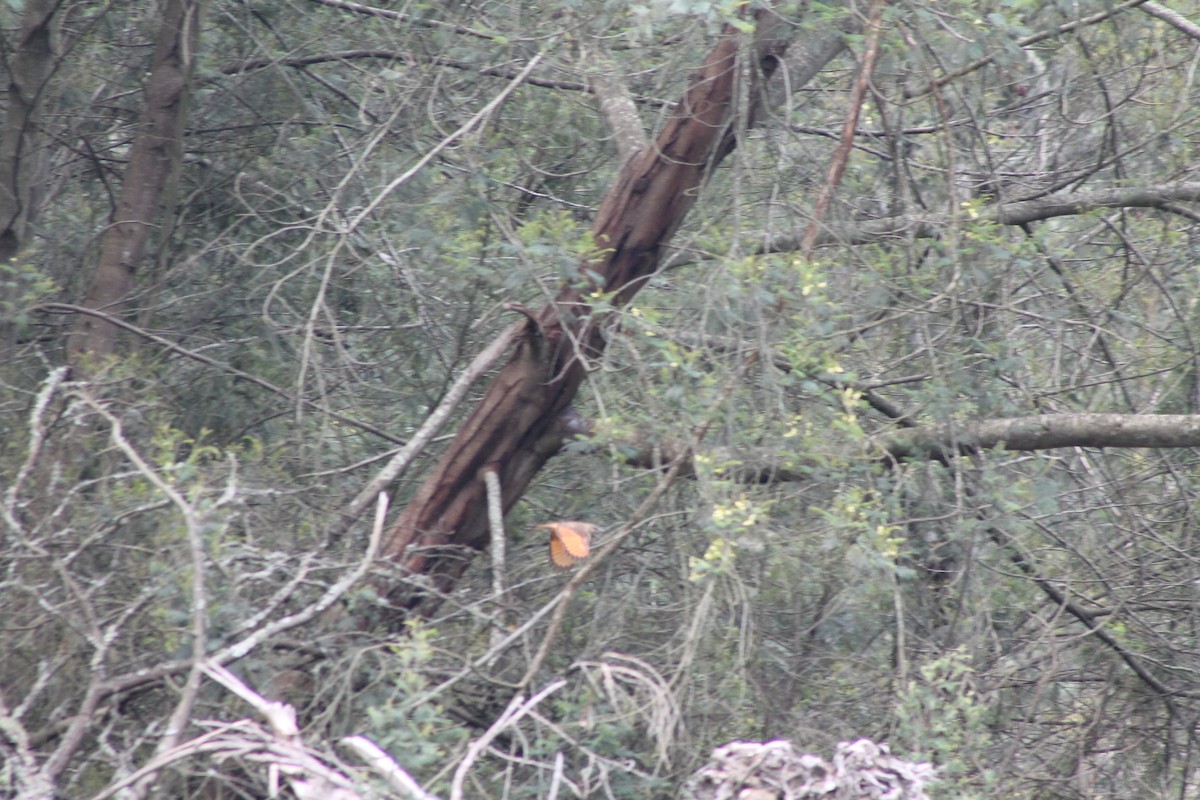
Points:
(570, 541)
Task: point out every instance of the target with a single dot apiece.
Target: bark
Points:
(152, 159)
(28, 71)
(519, 424)
(806, 57)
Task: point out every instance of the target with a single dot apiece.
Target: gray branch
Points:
(944, 441)
(927, 226)
(1046, 433)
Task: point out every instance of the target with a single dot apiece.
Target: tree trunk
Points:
(155, 153)
(28, 70)
(516, 427)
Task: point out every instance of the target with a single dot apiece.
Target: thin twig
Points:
(424, 435)
(841, 154)
(462, 130)
(518, 707)
(592, 564)
(979, 63)
(334, 593)
(181, 715)
(386, 766)
(237, 373)
(411, 19)
(37, 436)
(495, 508)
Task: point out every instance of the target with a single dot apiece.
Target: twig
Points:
(462, 130)
(37, 436)
(495, 508)
(310, 612)
(237, 373)
(841, 154)
(386, 766)
(556, 777)
(180, 716)
(400, 16)
(517, 707)
(590, 566)
(429, 429)
(979, 63)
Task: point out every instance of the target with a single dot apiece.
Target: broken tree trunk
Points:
(515, 429)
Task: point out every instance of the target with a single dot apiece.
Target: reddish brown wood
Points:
(515, 428)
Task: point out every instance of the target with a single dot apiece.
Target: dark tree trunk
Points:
(152, 158)
(29, 69)
(515, 429)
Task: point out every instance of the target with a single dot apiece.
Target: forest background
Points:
(865, 334)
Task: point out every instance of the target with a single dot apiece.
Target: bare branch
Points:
(942, 442)
(334, 593)
(841, 154)
(433, 423)
(1019, 213)
(386, 766)
(495, 503)
(1046, 432)
(518, 707)
(400, 16)
(1172, 18)
(212, 362)
(1041, 36)
(461, 131)
(37, 436)
(15, 743)
(616, 102)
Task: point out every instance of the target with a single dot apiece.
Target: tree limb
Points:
(254, 64)
(28, 69)
(616, 102)
(400, 16)
(929, 226)
(1041, 36)
(1172, 18)
(516, 427)
(1046, 432)
(841, 153)
(945, 441)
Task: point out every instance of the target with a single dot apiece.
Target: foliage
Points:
(1025, 620)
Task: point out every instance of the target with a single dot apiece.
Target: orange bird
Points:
(570, 542)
